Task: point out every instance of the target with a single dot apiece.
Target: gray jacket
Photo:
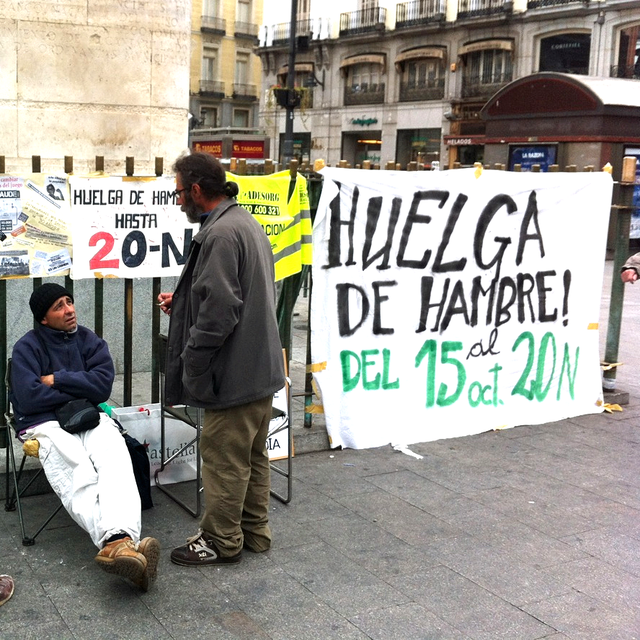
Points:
(223, 345)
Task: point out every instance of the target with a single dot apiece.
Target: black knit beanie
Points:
(44, 296)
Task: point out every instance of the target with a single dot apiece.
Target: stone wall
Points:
(88, 78)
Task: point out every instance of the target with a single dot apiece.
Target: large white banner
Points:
(450, 303)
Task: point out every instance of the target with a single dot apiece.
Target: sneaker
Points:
(150, 549)
(121, 558)
(200, 551)
(6, 588)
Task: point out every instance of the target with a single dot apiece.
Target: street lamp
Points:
(287, 146)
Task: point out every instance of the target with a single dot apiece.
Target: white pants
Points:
(92, 475)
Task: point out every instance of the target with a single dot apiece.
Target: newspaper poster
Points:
(34, 226)
(128, 227)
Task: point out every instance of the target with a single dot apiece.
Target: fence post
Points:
(128, 322)
(155, 320)
(68, 168)
(621, 251)
(3, 330)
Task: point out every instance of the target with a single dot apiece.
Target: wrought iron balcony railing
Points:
(475, 8)
(363, 21)
(429, 90)
(281, 32)
(245, 91)
(480, 87)
(212, 23)
(364, 94)
(409, 14)
(212, 87)
(246, 29)
(535, 4)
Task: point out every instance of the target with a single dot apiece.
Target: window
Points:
(628, 54)
(209, 64)
(244, 11)
(364, 77)
(242, 67)
(209, 117)
(241, 118)
(486, 70)
(566, 53)
(422, 79)
(211, 8)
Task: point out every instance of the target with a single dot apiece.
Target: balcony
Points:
(477, 8)
(480, 87)
(364, 94)
(364, 21)
(245, 91)
(629, 71)
(212, 88)
(535, 4)
(212, 24)
(281, 32)
(246, 30)
(419, 91)
(419, 12)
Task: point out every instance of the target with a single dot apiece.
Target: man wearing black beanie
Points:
(90, 471)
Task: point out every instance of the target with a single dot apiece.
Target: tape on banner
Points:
(318, 366)
(314, 408)
(593, 326)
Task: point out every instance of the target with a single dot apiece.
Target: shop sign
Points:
(365, 122)
(248, 149)
(214, 147)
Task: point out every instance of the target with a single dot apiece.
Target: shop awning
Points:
(505, 45)
(300, 66)
(368, 58)
(418, 54)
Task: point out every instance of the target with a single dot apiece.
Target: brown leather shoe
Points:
(6, 588)
(150, 549)
(121, 558)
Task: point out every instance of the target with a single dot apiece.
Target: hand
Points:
(48, 380)
(629, 275)
(164, 302)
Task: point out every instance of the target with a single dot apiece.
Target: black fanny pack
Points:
(77, 416)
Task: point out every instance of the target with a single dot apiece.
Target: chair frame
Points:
(194, 417)
(13, 499)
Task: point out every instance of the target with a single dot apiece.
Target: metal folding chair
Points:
(14, 474)
(194, 416)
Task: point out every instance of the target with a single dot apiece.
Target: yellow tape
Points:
(478, 172)
(314, 408)
(607, 366)
(610, 408)
(318, 366)
(593, 326)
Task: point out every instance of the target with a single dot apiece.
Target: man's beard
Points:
(191, 209)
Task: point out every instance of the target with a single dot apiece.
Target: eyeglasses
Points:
(178, 192)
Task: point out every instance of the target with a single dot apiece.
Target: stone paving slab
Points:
(377, 544)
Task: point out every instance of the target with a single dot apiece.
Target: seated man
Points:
(90, 471)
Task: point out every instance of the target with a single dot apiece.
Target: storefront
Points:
(362, 145)
(251, 147)
(563, 119)
(418, 145)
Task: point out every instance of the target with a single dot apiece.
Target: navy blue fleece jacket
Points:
(81, 365)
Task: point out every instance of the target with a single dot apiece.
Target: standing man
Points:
(224, 355)
(90, 471)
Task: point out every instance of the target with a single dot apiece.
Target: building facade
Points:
(399, 82)
(225, 72)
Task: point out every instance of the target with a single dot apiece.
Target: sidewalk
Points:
(521, 534)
